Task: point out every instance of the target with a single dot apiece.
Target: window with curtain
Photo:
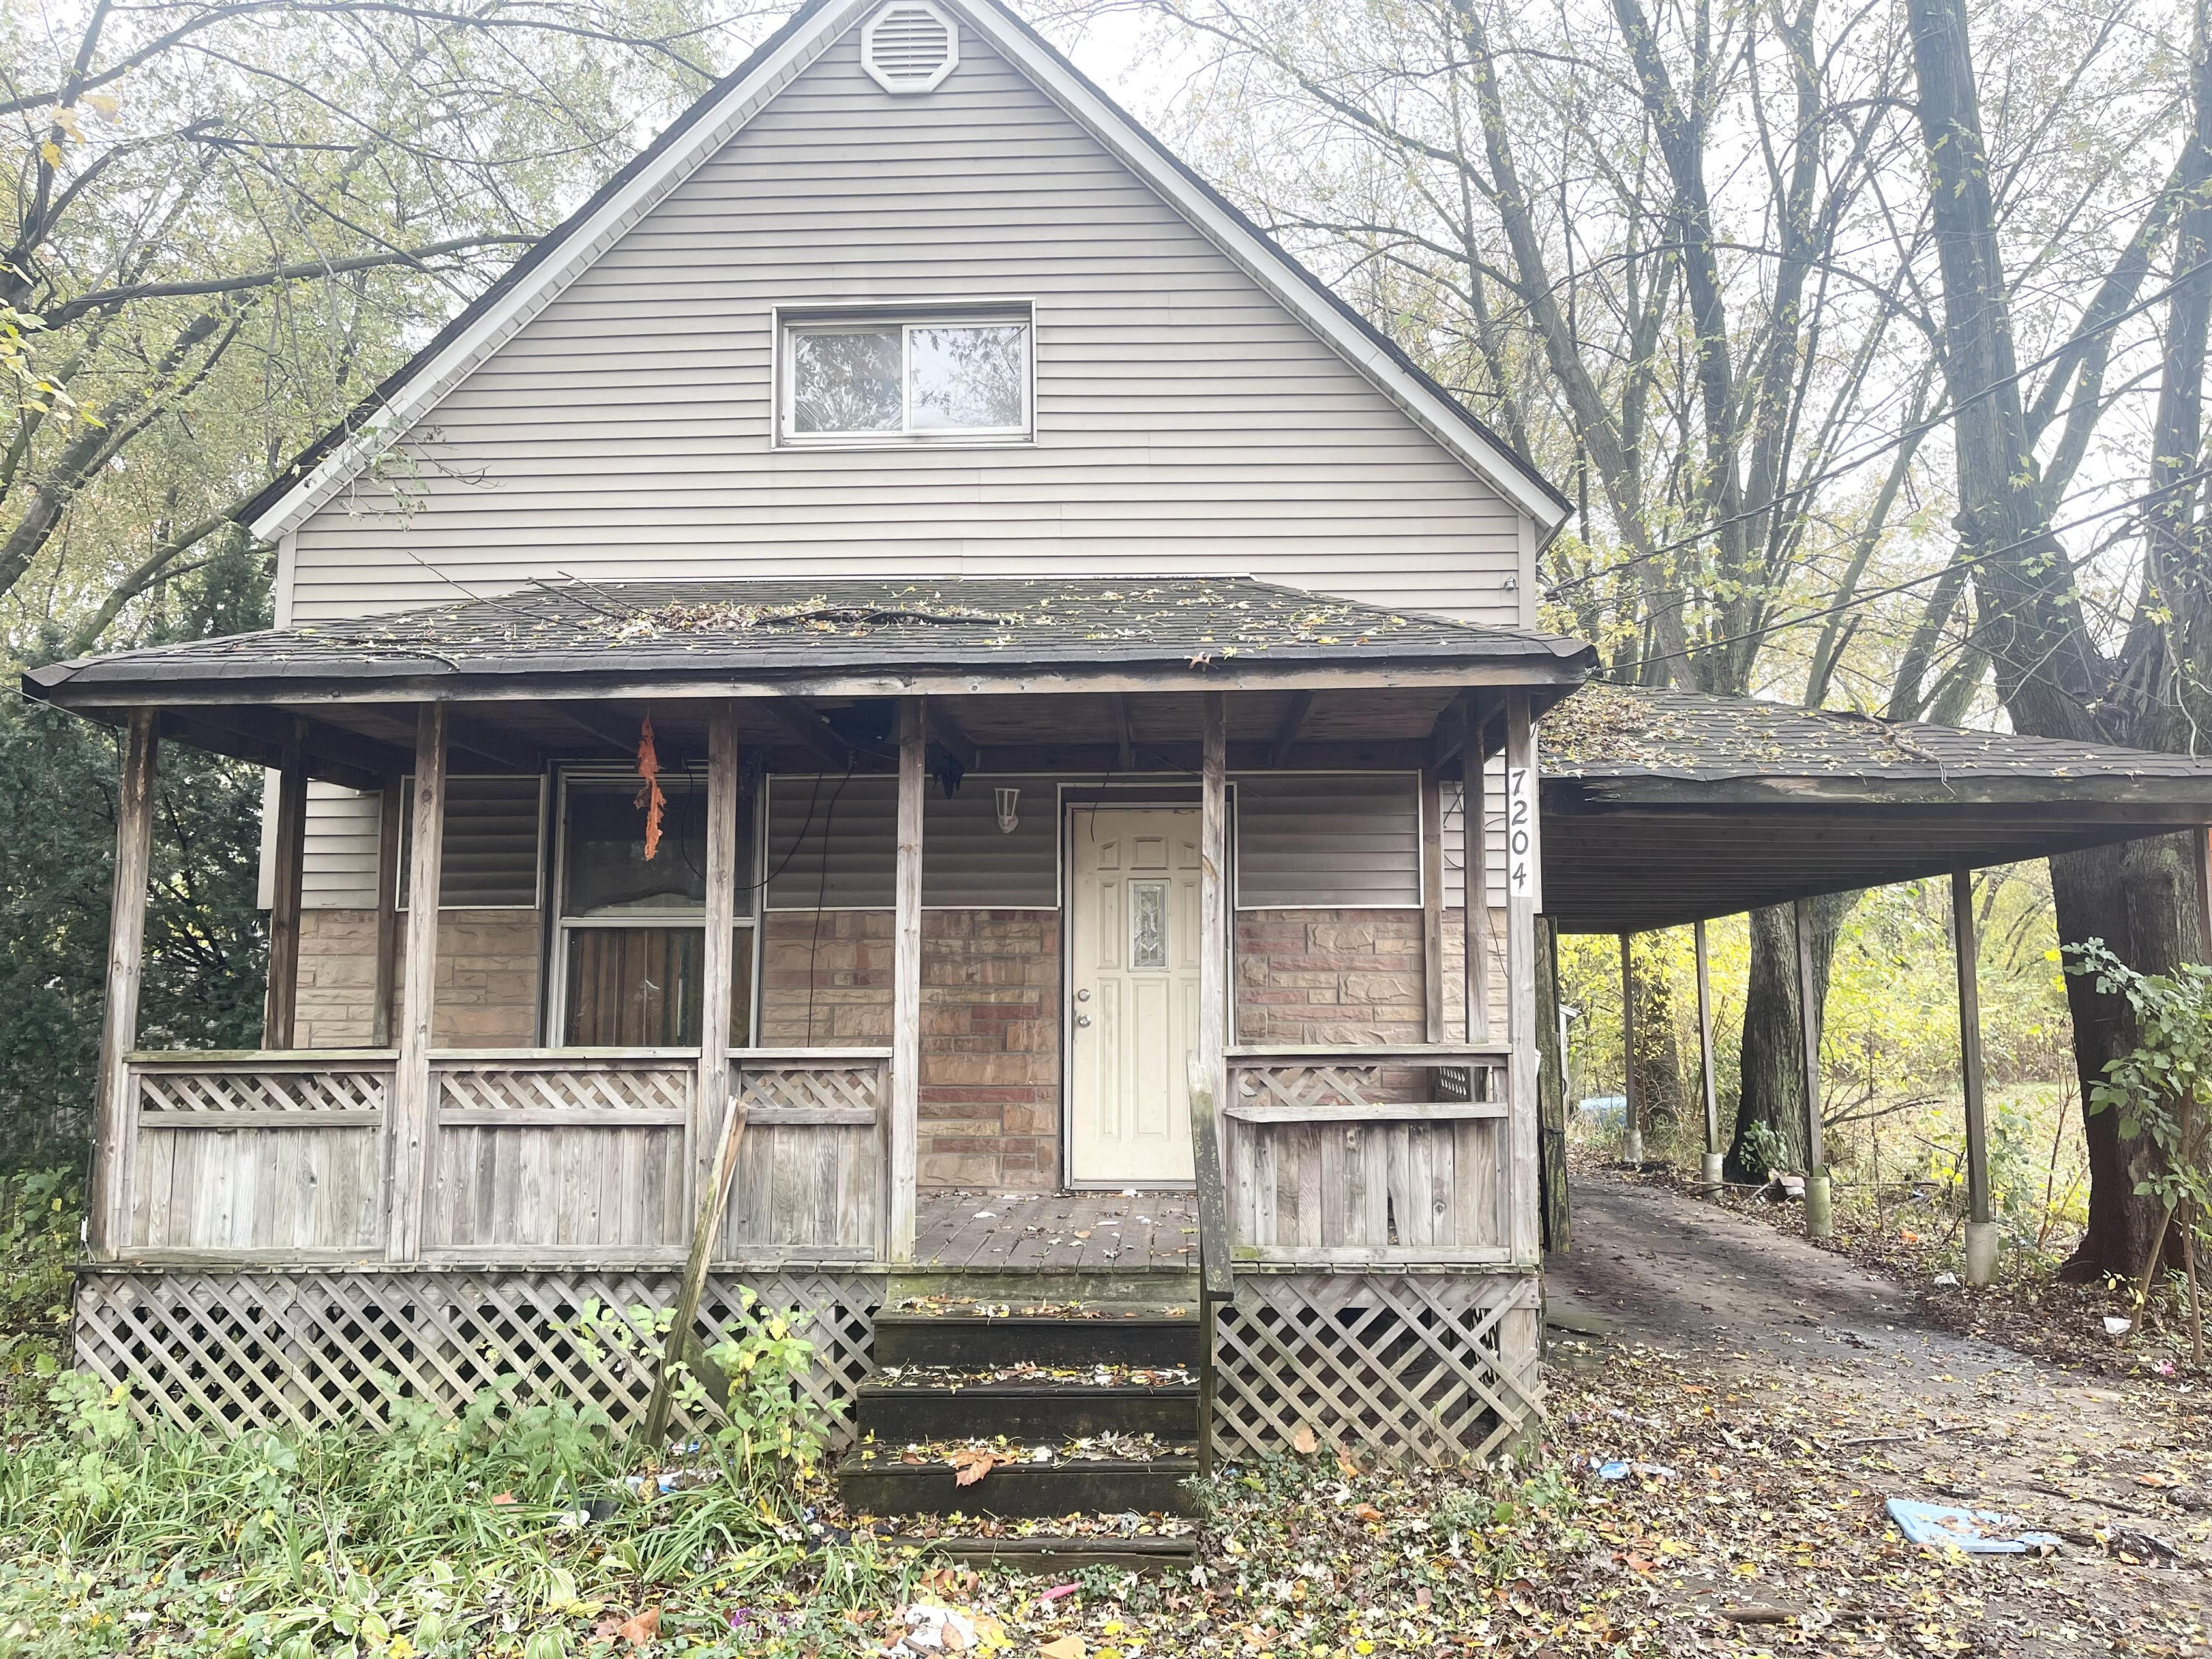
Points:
(631, 930)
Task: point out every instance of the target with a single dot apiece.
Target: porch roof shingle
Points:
(587, 632)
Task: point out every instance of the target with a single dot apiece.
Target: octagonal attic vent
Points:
(910, 46)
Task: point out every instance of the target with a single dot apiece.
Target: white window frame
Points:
(906, 318)
(562, 926)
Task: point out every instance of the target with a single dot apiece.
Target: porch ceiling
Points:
(1661, 808)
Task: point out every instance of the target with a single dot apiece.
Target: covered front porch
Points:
(1013, 888)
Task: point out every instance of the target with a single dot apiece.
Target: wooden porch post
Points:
(280, 1006)
(2202, 837)
(387, 915)
(1212, 899)
(1631, 1113)
(1819, 1215)
(1711, 1172)
(1981, 1230)
(115, 1109)
(1474, 864)
(718, 959)
(1523, 891)
(412, 1141)
(905, 1138)
(1433, 904)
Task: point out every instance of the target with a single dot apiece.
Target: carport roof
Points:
(1664, 807)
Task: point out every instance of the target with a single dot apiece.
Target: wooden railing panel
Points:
(1383, 1155)
(812, 1174)
(254, 1155)
(558, 1155)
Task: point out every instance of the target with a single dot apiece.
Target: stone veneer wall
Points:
(487, 978)
(1349, 975)
(990, 1033)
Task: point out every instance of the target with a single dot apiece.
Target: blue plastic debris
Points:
(1976, 1532)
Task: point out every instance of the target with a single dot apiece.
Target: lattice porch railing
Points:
(1344, 1157)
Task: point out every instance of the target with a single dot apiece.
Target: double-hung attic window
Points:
(919, 379)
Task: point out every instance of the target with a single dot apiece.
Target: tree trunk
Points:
(1772, 1058)
(2140, 898)
(1551, 1092)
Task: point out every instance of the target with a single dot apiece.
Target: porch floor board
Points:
(1055, 1232)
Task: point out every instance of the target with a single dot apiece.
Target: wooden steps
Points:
(1089, 1406)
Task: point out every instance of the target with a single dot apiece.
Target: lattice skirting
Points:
(1426, 1367)
(315, 1350)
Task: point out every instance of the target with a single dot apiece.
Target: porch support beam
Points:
(2200, 838)
(1524, 896)
(281, 1000)
(1475, 911)
(1214, 945)
(337, 756)
(1433, 904)
(387, 915)
(808, 729)
(1820, 1217)
(904, 1146)
(412, 1106)
(473, 740)
(947, 734)
(1287, 728)
(1966, 944)
(718, 959)
(114, 1110)
(1631, 1146)
(1455, 731)
(1125, 733)
(1711, 1172)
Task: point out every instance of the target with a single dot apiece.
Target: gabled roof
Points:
(536, 279)
(570, 639)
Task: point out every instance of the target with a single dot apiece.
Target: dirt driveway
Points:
(1881, 1404)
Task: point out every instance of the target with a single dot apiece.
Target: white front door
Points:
(1133, 992)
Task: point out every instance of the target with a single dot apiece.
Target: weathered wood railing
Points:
(537, 1156)
(254, 1155)
(813, 1169)
(1370, 1154)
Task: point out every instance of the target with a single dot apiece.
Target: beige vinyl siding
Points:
(1185, 422)
(338, 854)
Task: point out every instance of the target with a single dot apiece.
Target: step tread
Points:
(1028, 1390)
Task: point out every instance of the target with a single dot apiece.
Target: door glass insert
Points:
(1148, 924)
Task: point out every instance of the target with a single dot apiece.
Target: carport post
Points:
(1819, 1214)
(1711, 1172)
(1981, 1231)
(1631, 1147)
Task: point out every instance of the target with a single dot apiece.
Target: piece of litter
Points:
(1947, 1281)
(2117, 1325)
(1976, 1532)
(984, 1215)
(933, 1630)
(1619, 1469)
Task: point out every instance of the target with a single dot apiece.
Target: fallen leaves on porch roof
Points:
(815, 615)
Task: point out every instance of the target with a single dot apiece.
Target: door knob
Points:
(1083, 1019)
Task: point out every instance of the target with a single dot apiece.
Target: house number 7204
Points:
(1521, 831)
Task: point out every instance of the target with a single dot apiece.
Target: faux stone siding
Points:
(1329, 976)
(487, 979)
(990, 1031)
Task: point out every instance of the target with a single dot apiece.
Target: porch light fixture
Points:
(1008, 820)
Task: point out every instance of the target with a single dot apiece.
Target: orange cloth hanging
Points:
(650, 798)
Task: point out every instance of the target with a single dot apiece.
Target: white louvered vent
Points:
(910, 47)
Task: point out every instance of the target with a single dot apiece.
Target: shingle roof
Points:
(677, 631)
(1616, 732)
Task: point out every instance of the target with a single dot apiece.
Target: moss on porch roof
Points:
(1619, 732)
(683, 630)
